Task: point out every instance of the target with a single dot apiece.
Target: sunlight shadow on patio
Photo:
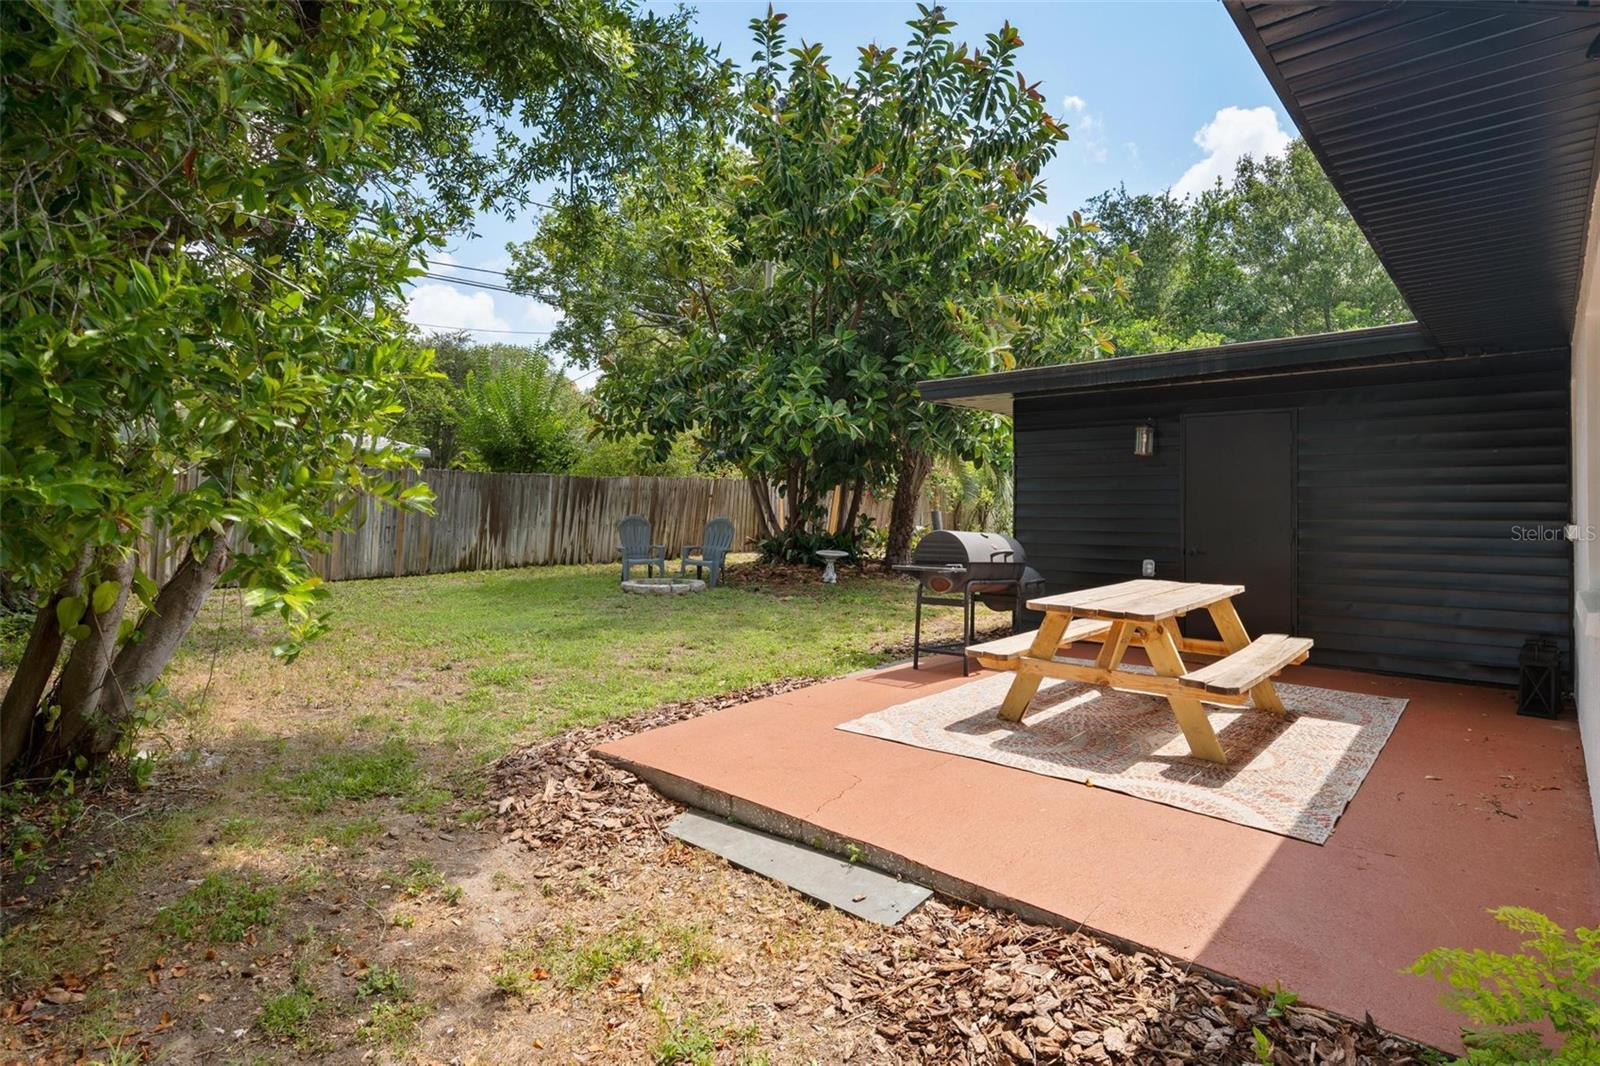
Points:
(1433, 836)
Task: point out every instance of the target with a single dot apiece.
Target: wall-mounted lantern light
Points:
(1144, 439)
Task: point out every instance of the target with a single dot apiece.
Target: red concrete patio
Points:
(1468, 807)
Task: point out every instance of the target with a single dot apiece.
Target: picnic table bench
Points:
(1143, 613)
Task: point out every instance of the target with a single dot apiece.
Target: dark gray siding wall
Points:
(1411, 484)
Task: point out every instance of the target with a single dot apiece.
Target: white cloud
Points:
(1087, 130)
(1092, 132)
(1232, 134)
(540, 315)
(435, 304)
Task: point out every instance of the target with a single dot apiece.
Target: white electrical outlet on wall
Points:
(1148, 568)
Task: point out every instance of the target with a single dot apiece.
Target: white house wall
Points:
(1586, 504)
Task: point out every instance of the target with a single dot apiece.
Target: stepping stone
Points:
(851, 887)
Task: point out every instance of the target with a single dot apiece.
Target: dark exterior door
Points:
(1238, 514)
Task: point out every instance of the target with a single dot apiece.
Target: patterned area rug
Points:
(1292, 775)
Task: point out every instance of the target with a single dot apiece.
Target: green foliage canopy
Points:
(209, 212)
(1273, 253)
(197, 280)
(510, 95)
(522, 417)
(782, 298)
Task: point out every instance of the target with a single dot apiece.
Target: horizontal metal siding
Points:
(1088, 510)
(1409, 485)
(1408, 497)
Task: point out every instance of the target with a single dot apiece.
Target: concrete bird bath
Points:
(830, 576)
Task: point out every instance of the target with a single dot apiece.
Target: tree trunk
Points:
(766, 517)
(160, 631)
(77, 690)
(33, 674)
(795, 512)
(911, 472)
(854, 510)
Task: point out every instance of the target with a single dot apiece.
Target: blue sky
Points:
(1154, 95)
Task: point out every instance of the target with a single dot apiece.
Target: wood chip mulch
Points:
(558, 796)
(951, 983)
(954, 983)
(781, 576)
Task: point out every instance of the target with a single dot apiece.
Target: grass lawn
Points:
(477, 662)
(328, 865)
(305, 815)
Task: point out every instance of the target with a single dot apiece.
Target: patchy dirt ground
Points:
(382, 857)
(558, 924)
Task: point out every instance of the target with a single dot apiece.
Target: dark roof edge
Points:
(1351, 347)
(1237, 10)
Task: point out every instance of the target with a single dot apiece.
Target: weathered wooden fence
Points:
(485, 521)
(489, 521)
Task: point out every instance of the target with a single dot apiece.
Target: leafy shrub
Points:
(973, 495)
(525, 417)
(801, 546)
(1555, 978)
(637, 454)
(15, 627)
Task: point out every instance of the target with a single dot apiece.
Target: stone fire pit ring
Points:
(663, 586)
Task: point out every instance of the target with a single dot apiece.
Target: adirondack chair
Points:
(636, 549)
(709, 556)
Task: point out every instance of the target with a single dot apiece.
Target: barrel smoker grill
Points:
(956, 568)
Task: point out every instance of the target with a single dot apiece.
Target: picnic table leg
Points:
(1234, 637)
(1168, 662)
(1115, 646)
(1024, 685)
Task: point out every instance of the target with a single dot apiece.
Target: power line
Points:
(474, 284)
(475, 329)
(475, 270)
(491, 286)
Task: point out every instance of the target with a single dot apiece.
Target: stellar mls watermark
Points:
(1545, 533)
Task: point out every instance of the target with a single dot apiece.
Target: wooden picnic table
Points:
(1144, 613)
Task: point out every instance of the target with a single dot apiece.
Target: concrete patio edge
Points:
(726, 805)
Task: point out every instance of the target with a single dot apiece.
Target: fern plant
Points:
(522, 418)
(1555, 979)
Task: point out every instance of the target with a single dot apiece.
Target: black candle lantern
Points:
(1144, 439)
(1539, 690)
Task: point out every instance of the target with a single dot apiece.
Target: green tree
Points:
(429, 415)
(508, 96)
(1311, 269)
(783, 299)
(193, 287)
(209, 212)
(636, 455)
(1273, 253)
(521, 417)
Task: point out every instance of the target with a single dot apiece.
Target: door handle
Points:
(1194, 551)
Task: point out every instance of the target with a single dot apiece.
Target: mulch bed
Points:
(950, 983)
(781, 576)
(556, 796)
